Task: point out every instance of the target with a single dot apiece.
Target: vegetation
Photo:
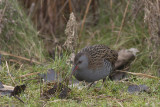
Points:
(19, 37)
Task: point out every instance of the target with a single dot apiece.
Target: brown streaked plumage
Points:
(93, 63)
(98, 53)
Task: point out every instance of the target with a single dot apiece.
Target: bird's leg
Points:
(104, 79)
(90, 86)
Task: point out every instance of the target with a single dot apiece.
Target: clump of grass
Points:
(18, 35)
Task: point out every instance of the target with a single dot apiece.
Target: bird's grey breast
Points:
(90, 75)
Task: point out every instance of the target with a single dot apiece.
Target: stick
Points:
(140, 74)
(9, 73)
(19, 99)
(124, 15)
(84, 18)
(119, 103)
(20, 57)
(26, 75)
(70, 6)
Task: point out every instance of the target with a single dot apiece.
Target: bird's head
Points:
(80, 62)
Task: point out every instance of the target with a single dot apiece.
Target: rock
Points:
(138, 88)
(144, 88)
(50, 76)
(133, 88)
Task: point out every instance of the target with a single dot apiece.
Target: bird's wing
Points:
(98, 53)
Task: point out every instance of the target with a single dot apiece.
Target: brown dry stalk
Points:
(124, 16)
(10, 73)
(119, 103)
(84, 18)
(140, 74)
(71, 33)
(70, 6)
(20, 57)
(30, 74)
(151, 17)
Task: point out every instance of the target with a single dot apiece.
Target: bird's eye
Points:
(79, 62)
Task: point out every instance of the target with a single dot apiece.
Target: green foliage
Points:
(18, 35)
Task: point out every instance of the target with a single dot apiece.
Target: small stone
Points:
(138, 88)
(133, 88)
(144, 88)
(50, 76)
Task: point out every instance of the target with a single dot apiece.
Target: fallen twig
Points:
(59, 100)
(30, 74)
(9, 73)
(139, 74)
(18, 98)
(15, 61)
(119, 103)
(20, 57)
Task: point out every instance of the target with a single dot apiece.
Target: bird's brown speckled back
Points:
(97, 54)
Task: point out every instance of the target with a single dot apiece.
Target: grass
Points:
(18, 33)
(114, 93)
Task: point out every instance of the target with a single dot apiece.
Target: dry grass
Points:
(50, 18)
(18, 37)
(71, 33)
(152, 18)
(151, 9)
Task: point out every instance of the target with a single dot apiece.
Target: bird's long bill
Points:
(74, 69)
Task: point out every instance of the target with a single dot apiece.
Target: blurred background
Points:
(36, 28)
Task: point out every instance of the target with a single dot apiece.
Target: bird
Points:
(93, 63)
